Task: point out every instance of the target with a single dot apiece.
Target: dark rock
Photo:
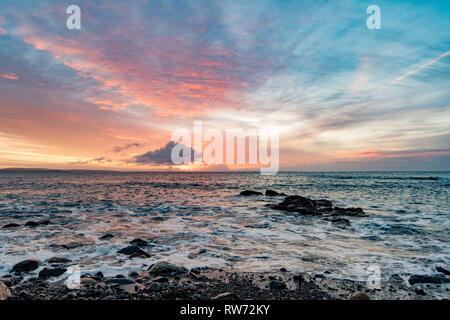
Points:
(298, 204)
(435, 279)
(250, 193)
(108, 236)
(11, 225)
(72, 245)
(26, 265)
(353, 212)
(338, 220)
(420, 292)
(277, 285)
(133, 274)
(359, 296)
(324, 203)
(47, 272)
(99, 275)
(25, 295)
(272, 193)
(58, 260)
(38, 223)
(163, 267)
(283, 269)
(225, 296)
(134, 251)
(120, 281)
(160, 279)
(443, 270)
(139, 242)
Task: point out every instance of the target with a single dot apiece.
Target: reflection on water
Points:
(198, 219)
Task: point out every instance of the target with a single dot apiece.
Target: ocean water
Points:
(406, 230)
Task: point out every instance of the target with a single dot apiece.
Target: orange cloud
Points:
(10, 76)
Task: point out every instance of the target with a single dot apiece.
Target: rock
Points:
(11, 225)
(420, 292)
(435, 279)
(272, 193)
(353, 212)
(58, 260)
(259, 226)
(225, 296)
(26, 265)
(160, 279)
(88, 282)
(443, 270)
(47, 272)
(139, 242)
(133, 274)
(108, 236)
(359, 296)
(25, 295)
(324, 203)
(250, 193)
(163, 267)
(119, 281)
(298, 204)
(4, 291)
(277, 285)
(134, 251)
(338, 220)
(38, 223)
(72, 245)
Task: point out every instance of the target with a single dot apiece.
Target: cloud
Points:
(10, 76)
(98, 160)
(160, 156)
(126, 147)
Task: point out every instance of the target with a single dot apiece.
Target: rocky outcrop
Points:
(272, 193)
(306, 206)
(139, 242)
(54, 272)
(11, 225)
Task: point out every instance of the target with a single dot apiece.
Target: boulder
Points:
(26, 265)
(107, 237)
(134, 251)
(163, 267)
(272, 193)
(359, 296)
(11, 225)
(48, 273)
(250, 193)
(277, 285)
(58, 260)
(139, 242)
(443, 270)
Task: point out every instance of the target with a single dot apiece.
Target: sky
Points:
(108, 96)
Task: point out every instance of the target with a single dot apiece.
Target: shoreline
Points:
(165, 281)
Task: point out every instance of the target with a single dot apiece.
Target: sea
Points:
(198, 219)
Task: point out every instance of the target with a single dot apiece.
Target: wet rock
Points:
(324, 203)
(120, 281)
(55, 272)
(277, 285)
(338, 220)
(359, 296)
(139, 242)
(272, 193)
(420, 292)
(160, 279)
(87, 282)
(250, 193)
(4, 291)
(298, 204)
(58, 260)
(134, 251)
(133, 274)
(352, 212)
(26, 265)
(443, 270)
(25, 295)
(37, 223)
(225, 296)
(163, 267)
(99, 275)
(108, 236)
(434, 279)
(10, 225)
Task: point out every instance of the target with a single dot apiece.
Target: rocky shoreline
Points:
(166, 281)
